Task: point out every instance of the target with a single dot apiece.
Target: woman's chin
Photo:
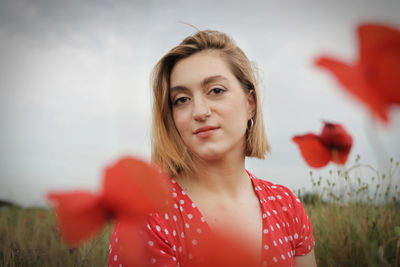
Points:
(209, 155)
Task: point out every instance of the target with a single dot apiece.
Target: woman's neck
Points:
(226, 177)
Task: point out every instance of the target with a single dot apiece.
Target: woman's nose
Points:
(201, 109)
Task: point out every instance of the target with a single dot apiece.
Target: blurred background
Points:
(75, 83)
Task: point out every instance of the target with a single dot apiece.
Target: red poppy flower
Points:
(131, 190)
(333, 144)
(375, 77)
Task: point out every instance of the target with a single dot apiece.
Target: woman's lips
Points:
(205, 132)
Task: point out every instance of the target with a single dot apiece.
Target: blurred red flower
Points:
(131, 190)
(333, 144)
(217, 249)
(375, 77)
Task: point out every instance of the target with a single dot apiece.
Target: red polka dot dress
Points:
(172, 236)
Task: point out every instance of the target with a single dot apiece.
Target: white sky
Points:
(75, 94)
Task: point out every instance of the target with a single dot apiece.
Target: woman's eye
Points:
(217, 91)
(180, 100)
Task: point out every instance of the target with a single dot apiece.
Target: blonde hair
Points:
(168, 148)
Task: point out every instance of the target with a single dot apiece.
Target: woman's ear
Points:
(251, 98)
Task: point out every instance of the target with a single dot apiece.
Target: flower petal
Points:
(134, 188)
(380, 55)
(334, 136)
(375, 77)
(386, 74)
(374, 38)
(217, 249)
(342, 156)
(80, 215)
(128, 243)
(353, 80)
(313, 151)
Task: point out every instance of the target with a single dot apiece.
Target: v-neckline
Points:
(203, 218)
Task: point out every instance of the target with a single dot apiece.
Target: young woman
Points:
(207, 118)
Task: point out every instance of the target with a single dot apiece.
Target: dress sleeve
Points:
(303, 237)
(158, 246)
(300, 230)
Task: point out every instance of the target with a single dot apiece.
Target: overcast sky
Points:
(75, 94)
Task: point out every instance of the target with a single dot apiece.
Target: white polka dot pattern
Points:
(172, 235)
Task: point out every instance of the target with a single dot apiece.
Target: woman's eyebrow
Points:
(211, 79)
(178, 88)
(204, 83)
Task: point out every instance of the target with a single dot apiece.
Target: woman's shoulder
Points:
(269, 191)
(279, 203)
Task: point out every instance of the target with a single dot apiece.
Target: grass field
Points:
(356, 218)
(355, 224)
(29, 237)
(356, 235)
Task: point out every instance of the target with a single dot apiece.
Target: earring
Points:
(251, 122)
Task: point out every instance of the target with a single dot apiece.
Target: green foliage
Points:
(356, 221)
(310, 199)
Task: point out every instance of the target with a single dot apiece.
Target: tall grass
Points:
(356, 220)
(29, 237)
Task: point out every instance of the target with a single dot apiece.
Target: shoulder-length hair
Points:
(168, 148)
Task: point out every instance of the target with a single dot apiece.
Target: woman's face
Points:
(210, 109)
